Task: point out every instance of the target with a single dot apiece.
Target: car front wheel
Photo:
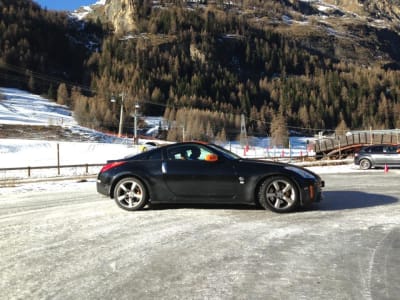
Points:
(365, 164)
(278, 194)
(130, 194)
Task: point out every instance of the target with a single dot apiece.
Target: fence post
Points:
(58, 159)
(372, 135)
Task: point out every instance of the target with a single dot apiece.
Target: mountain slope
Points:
(319, 64)
(362, 31)
(28, 116)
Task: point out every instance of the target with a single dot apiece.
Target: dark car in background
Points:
(194, 172)
(378, 156)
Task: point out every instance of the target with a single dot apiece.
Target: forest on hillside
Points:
(200, 68)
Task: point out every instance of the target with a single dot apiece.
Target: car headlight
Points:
(301, 172)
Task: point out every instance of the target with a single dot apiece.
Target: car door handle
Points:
(164, 167)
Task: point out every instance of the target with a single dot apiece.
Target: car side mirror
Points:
(211, 157)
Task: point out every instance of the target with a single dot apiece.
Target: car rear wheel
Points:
(278, 194)
(130, 194)
(365, 164)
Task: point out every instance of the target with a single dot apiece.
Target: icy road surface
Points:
(63, 241)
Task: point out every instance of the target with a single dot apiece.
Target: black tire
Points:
(279, 194)
(365, 164)
(130, 194)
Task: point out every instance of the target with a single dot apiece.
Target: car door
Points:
(199, 180)
(378, 156)
(391, 155)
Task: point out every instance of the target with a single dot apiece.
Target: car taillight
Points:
(111, 165)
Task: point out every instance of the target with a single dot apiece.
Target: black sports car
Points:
(194, 172)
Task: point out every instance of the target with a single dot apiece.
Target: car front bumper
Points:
(312, 192)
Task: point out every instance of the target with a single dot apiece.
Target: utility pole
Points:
(121, 114)
(135, 138)
(243, 132)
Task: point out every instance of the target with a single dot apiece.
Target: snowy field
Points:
(20, 107)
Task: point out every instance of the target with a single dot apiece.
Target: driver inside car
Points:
(195, 154)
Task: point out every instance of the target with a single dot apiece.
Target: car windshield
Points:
(227, 154)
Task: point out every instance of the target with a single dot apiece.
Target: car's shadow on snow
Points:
(162, 206)
(333, 200)
(340, 200)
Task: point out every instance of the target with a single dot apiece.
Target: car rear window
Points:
(390, 149)
(150, 155)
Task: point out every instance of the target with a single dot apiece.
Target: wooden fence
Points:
(352, 142)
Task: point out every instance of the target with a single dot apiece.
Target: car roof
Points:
(186, 144)
(381, 145)
(375, 146)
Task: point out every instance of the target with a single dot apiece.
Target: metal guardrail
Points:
(57, 167)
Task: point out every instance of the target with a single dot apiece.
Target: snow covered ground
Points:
(20, 107)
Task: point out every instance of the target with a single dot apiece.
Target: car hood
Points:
(280, 165)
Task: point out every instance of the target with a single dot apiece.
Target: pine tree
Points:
(51, 92)
(342, 128)
(279, 131)
(31, 84)
(62, 94)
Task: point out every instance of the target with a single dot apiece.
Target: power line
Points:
(36, 75)
(51, 79)
(293, 127)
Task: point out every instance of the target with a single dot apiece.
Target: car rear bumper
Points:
(102, 187)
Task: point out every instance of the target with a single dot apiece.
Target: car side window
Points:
(199, 153)
(176, 153)
(188, 152)
(378, 149)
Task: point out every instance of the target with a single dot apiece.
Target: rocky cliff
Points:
(362, 30)
(121, 14)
